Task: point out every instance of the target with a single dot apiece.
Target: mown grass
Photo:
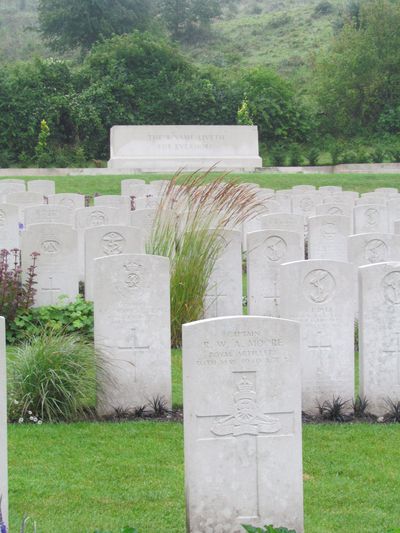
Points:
(73, 478)
(111, 184)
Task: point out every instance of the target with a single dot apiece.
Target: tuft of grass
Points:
(202, 206)
(360, 405)
(333, 410)
(53, 377)
(393, 413)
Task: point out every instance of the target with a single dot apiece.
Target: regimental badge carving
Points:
(50, 247)
(276, 248)
(248, 418)
(372, 216)
(376, 251)
(335, 210)
(391, 287)
(329, 231)
(319, 286)
(68, 202)
(97, 218)
(113, 243)
(2, 218)
(132, 274)
(306, 204)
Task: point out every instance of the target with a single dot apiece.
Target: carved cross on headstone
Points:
(321, 348)
(243, 428)
(275, 297)
(51, 290)
(394, 350)
(213, 297)
(131, 347)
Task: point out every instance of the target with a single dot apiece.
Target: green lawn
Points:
(111, 184)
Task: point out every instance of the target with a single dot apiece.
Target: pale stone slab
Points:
(393, 207)
(158, 187)
(284, 221)
(57, 264)
(328, 237)
(7, 187)
(9, 226)
(132, 187)
(320, 294)
(369, 248)
(169, 148)
(103, 241)
(242, 424)
(69, 199)
(50, 214)
(24, 199)
(330, 189)
(303, 188)
(368, 200)
(89, 217)
(305, 203)
(284, 198)
(379, 327)
(335, 208)
(144, 219)
(3, 422)
(224, 292)
(348, 197)
(148, 202)
(45, 187)
(370, 218)
(397, 226)
(267, 250)
(132, 331)
(113, 200)
(387, 191)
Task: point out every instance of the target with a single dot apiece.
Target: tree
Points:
(358, 78)
(72, 24)
(186, 20)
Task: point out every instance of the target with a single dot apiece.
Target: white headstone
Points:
(169, 148)
(57, 264)
(242, 424)
(69, 199)
(48, 214)
(369, 248)
(7, 187)
(303, 188)
(393, 207)
(321, 296)
(3, 423)
(132, 187)
(330, 189)
(283, 221)
(89, 217)
(305, 203)
(147, 202)
(113, 200)
(379, 328)
(9, 226)
(371, 200)
(45, 187)
(103, 241)
(224, 295)
(132, 331)
(267, 250)
(327, 237)
(370, 218)
(335, 208)
(387, 191)
(24, 199)
(397, 226)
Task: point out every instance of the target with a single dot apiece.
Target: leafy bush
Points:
(75, 317)
(393, 410)
(278, 156)
(378, 155)
(16, 295)
(296, 158)
(53, 376)
(313, 156)
(333, 410)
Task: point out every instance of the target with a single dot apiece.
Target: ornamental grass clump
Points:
(188, 226)
(53, 377)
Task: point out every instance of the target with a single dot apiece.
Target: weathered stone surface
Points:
(48, 214)
(370, 218)
(9, 226)
(24, 198)
(284, 221)
(267, 250)
(169, 148)
(242, 424)
(369, 248)
(57, 264)
(69, 199)
(379, 328)
(224, 292)
(132, 331)
(103, 241)
(327, 237)
(321, 296)
(45, 187)
(3, 422)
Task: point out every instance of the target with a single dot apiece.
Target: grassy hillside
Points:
(283, 34)
(279, 33)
